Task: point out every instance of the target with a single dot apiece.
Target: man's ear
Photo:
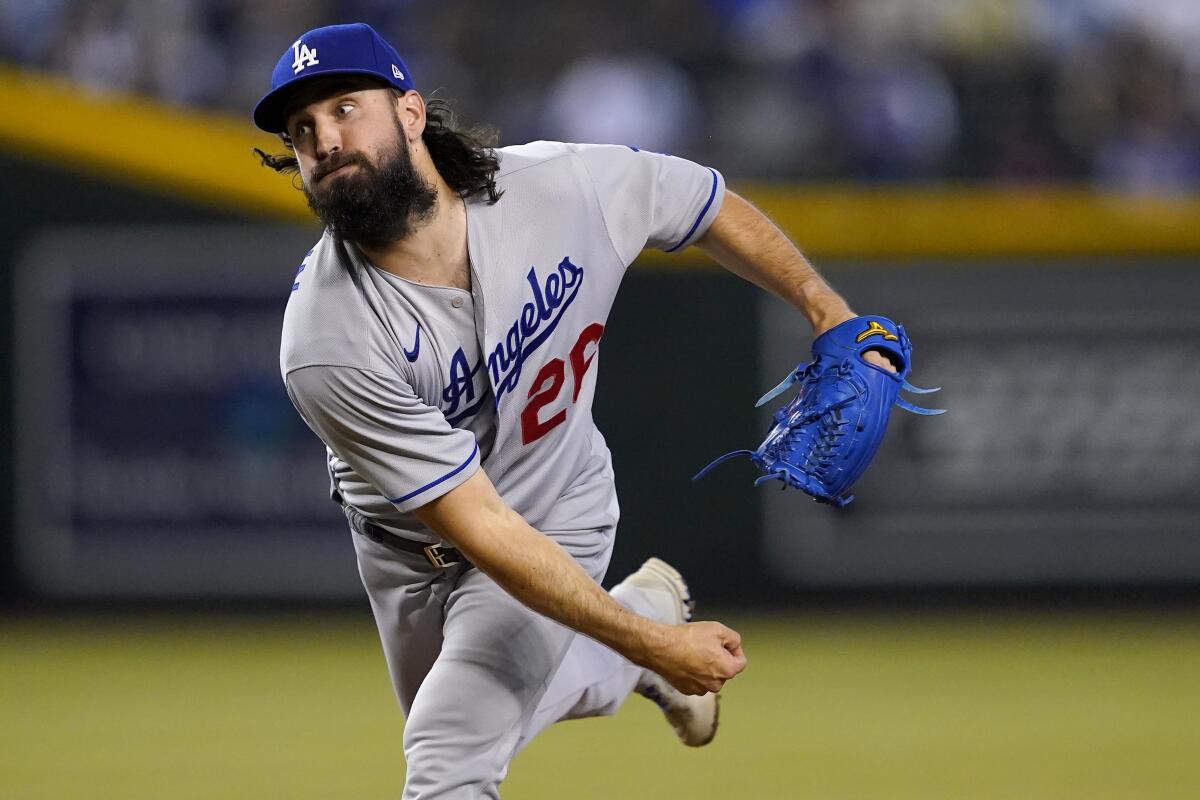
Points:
(410, 110)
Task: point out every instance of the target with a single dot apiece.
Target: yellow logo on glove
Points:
(875, 329)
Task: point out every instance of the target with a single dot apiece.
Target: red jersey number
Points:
(549, 383)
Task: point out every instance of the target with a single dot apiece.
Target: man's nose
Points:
(328, 139)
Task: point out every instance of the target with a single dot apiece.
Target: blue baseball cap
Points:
(354, 49)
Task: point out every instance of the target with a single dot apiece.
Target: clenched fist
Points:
(700, 657)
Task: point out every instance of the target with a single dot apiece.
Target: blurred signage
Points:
(1071, 452)
(158, 453)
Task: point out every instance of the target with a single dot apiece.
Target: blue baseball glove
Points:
(824, 439)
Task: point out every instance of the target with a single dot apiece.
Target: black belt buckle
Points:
(438, 557)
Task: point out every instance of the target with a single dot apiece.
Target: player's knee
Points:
(453, 747)
(448, 766)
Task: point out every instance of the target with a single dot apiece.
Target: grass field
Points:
(832, 706)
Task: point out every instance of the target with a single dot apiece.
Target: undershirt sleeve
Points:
(650, 199)
(392, 439)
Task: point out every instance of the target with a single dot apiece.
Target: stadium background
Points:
(1009, 609)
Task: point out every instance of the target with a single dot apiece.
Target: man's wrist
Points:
(645, 641)
(829, 315)
(822, 306)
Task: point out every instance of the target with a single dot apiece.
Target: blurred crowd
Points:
(1106, 91)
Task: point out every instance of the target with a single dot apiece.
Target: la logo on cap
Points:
(304, 56)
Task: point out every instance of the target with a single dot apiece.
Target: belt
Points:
(438, 556)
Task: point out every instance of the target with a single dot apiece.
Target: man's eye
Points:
(300, 132)
(344, 109)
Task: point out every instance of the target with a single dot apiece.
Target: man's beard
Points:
(377, 205)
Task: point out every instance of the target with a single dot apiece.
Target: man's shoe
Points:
(694, 717)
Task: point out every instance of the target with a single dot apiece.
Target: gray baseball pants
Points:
(478, 674)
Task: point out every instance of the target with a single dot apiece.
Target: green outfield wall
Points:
(1056, 319)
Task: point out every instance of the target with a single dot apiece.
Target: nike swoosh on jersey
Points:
(411, 355)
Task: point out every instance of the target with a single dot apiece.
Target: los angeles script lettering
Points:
(539, 317)
(537, 320)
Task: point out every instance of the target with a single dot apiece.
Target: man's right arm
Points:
(414, 458)
(695, 658)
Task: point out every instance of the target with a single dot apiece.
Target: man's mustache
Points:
(337, 161)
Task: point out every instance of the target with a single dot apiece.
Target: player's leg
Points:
(408, 596)
(497, 659)
(594, 680)
(474, 688)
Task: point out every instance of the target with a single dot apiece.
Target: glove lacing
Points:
(820, 457)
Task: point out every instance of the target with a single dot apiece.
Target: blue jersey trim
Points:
(712, 194)
(445, 477)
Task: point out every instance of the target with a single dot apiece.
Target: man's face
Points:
(354, 160)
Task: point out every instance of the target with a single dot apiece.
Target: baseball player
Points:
(442, 339)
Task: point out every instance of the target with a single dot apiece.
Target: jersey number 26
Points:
(549, 382)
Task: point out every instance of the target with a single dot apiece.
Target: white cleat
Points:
(694, 717)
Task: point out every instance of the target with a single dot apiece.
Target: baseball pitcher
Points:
(443, 340)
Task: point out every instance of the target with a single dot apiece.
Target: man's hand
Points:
(879, 359)
(699, 657)
(836, 315)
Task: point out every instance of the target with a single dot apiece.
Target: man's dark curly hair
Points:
(465, 158)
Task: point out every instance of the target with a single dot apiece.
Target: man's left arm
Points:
(747, 243)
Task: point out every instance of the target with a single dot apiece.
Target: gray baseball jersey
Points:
(413, 387)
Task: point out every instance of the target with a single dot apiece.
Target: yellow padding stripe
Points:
(205, 156)
(962, 221)
(198, 155)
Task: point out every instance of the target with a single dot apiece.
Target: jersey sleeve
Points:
(651, 199)
(391, 438)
